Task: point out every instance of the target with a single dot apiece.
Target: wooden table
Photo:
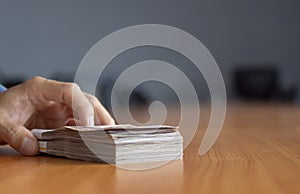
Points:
(258, 152)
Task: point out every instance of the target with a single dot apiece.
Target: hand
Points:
(42, 103)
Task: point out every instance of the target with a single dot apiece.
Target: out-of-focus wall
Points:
(48, 37)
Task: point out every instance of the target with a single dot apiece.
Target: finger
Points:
(102, 116)
(19, 138)
(70, 94)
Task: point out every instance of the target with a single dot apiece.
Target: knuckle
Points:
(33, 82)
(69, 89)
(37, 79)
(75, 86)
(70, 86)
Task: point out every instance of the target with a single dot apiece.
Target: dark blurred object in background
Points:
(261, 83)
(12, 81)
(256, 82)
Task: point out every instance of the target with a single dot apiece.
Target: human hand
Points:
(43, 103)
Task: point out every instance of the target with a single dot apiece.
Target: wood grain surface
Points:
(258, 152)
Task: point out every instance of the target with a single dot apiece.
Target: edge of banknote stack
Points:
(114, 144)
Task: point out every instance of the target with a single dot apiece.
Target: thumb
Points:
(19, 138)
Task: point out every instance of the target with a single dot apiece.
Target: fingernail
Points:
(91, 121)
(29, 146)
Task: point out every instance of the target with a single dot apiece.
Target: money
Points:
(115, 144)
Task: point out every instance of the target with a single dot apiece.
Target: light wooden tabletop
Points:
(258, 152)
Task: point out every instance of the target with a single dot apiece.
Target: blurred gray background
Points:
(50, 38)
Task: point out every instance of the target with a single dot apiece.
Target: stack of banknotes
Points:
(114, 144)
